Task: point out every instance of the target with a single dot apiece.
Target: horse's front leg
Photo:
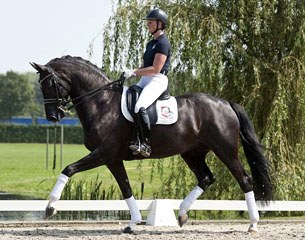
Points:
(118, 171)
(92, 160)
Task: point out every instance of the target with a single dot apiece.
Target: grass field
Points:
(23, 170)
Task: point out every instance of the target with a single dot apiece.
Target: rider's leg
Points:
(141, 145)
(153, 87)
(135, 143)
(145, 148)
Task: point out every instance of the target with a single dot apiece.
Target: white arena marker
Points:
(161, 214)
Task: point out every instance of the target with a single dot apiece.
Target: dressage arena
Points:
(206, 230)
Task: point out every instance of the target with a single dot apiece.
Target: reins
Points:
(119, 83)
(62, 102)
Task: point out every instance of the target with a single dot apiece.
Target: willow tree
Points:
(247, 51)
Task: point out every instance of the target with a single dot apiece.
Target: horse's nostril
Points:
(52, 118)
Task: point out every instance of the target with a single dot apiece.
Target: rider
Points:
(156, 63)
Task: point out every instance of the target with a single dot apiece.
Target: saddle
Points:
(163, 111)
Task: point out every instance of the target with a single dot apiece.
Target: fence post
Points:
(47, 149)
(61, 144)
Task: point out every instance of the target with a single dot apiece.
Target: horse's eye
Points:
(47, 84)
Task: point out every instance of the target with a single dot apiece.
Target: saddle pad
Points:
(166, 110)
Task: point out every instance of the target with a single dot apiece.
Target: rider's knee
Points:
(137, 108)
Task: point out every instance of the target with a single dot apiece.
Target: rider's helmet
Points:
(157, 14)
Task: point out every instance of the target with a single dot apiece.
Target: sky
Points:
(40, 30)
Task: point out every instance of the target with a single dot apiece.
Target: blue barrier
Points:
(65, 121)
(21, 120)
(42, 121)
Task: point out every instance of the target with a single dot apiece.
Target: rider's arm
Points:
(158, 64)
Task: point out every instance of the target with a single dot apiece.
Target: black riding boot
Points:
(145, 148)
(135, 143)
(140, 142)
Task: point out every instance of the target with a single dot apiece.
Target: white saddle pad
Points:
(167, 110)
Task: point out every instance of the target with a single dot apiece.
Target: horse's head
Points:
(54, 90)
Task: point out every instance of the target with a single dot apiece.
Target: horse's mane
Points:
(80, 61)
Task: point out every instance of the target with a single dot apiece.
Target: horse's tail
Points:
(253, 149)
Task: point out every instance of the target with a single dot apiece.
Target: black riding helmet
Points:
(159, 15)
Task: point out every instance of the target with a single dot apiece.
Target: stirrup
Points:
(134, 146)
(145, 149)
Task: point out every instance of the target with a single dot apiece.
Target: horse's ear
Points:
(39, 67)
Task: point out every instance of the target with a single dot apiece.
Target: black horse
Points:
(204, 124)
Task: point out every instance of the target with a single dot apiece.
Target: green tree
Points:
(247, 51)
(16, 95)
(38, 109)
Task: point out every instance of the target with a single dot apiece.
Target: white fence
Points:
(161, 211)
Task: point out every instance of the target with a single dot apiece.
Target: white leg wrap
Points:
(252, 208)
(134, 212)
(189, 200)
(58, 188)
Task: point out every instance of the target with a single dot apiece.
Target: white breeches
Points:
(153, 86)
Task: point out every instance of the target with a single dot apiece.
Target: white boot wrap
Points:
(252, 208)
(134, 212)
(58, 188)
(189, 200)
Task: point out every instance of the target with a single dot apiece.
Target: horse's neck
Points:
(97, 116)
(80, 86)
(94, 109)
(91, 107)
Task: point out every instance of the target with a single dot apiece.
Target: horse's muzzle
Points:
(54, 114)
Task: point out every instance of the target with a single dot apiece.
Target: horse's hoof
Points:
(50, 211)
(182, 219)
(253, 229)
(128, 230)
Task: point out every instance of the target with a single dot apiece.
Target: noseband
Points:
(59, 100)
(63, 101)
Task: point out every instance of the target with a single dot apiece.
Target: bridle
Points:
(63, 103)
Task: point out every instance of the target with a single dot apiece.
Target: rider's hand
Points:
(128, 73)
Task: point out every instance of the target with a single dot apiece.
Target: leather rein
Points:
(62, 102)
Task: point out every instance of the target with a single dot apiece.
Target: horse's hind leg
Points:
(245, 183)
(196, 162)
(230, 158)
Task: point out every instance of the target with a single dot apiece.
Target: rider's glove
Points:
(128, 73)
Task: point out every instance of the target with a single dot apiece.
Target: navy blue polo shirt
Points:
(159, 45)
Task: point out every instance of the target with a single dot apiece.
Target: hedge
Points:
(10, 133)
